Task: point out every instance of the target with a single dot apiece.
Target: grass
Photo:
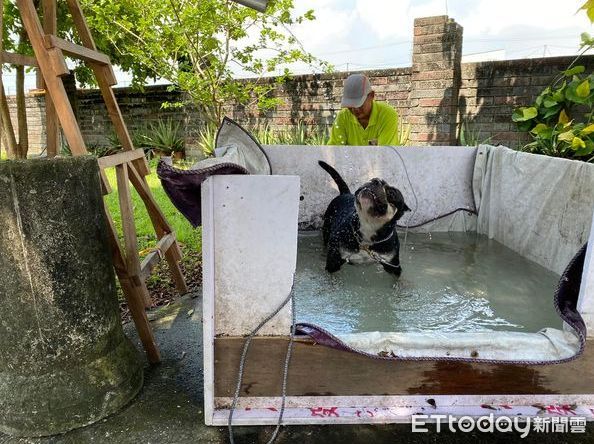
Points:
(188, 236)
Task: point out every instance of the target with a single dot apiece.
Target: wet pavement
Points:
(169, 409)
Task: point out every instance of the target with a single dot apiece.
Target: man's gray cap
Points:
(356, 88)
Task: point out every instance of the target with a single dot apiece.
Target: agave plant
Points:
(206, 139)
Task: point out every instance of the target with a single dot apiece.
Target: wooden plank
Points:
(133, 296)
(47, 65)
(105, 186)
(153, 258)
(18, 59)
(58, 62)
(52, 130)
(81, 24)
(87, 40)
(132, 293)
(76, 51)
(317, 370)
(103, 80)
(129, 229)
(117, 253)
(120, 158)
(173, 254)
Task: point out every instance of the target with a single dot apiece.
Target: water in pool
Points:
(450, 282)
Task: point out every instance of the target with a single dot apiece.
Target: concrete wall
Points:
(434, 96)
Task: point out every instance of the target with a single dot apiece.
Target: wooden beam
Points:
(132, 293)
(7, 128)
(143, 326)
(86, 38)
(52, 130)
(49, 62)
(18, 59)
(76, 51)
(153, 258)
(316, 370)
(129, 229)
(120, 158)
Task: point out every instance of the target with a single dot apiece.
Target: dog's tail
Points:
(342, 186)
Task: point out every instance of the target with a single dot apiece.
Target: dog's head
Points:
(379, 202)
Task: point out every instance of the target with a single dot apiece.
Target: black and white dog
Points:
(361, 227)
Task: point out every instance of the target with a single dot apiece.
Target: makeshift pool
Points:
(503, 226)
(452, 282)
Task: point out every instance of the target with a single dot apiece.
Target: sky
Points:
(365, 34)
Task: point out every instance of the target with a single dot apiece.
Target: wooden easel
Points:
(131, 165)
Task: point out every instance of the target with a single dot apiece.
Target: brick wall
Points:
(435, 95)
(490, 91)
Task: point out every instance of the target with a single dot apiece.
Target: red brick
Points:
(430, 102)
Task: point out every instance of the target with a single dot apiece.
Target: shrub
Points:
(560, 119)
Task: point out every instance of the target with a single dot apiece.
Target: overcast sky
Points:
(365, 34)
(378, 33)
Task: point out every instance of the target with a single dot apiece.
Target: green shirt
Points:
(382, 128)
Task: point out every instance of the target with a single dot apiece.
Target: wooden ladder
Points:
(130, 164)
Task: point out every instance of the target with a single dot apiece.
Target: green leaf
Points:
(539, 128)
(575, 70)
(563, 117)
(551, 112)
(549, 102)
(589, 7)
(587, 130)
(583, 89)
(523, 114)
(525, 126)
(577, 143)
(567, 136)
(587, 40)
(584, 151)
(572, 95)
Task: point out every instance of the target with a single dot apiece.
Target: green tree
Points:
(196, 44)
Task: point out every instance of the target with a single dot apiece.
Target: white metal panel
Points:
(208, 295)
(255, 238)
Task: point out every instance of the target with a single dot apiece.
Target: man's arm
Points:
(388, 132)
(338, 135)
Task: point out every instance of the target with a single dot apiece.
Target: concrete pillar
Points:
(435, 81)
(64, 359)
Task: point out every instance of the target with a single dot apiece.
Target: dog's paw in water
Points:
(363, 225)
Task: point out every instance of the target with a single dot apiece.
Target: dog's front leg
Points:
(393, 266)
(333, 258)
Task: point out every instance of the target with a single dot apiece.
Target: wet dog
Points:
(361, 227)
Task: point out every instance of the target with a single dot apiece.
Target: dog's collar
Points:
(360, 241)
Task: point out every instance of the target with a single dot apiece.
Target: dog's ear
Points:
(395, 197)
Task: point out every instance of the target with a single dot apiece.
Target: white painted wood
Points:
(399, 409)
(586, 298)
(255, 233)
(416, 401)
(208, 295)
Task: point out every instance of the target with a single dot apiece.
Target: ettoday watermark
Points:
(491, 423)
